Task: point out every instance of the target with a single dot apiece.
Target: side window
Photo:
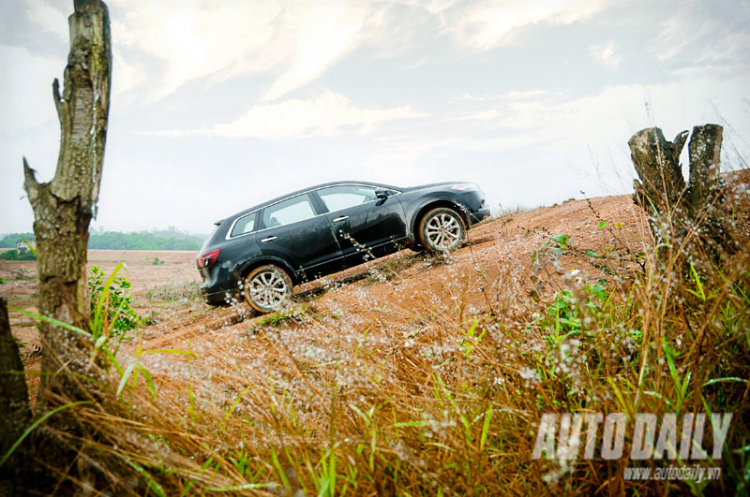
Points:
(289, 211)
(343, 197)
(244, 225)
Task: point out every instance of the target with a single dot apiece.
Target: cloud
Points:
(48, 17)
(705, 32)
(616, 112)
(559, 130)
(27, 91)
(605, 54)
(509, 95)
(727, 48)
(489, 24)
(323, 33)
(329, 114)
(680, 30)
(200, 39)
(293, 42)
(481, 115)
(127, 74)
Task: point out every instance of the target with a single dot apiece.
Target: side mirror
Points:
(382, 193)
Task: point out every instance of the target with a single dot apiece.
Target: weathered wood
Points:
(64, 207)
(675, 208)
(705, 181)
(657, 162)
(15, 414)
(706, 189)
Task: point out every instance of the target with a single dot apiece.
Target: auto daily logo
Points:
(675, 436)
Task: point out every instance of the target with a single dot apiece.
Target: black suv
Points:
(259, 254)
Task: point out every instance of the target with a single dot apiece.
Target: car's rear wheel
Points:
(267, 288)
(441, 230)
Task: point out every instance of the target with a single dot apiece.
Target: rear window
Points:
(244, 225)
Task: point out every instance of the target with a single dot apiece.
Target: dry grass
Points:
(318, 402)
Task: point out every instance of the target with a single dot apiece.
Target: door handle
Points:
(269, 239)
(342, 218)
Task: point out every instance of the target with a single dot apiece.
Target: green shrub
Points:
(15, 255)
(118, 301)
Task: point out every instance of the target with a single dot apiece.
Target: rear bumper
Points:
(217, 298)
(218, 286)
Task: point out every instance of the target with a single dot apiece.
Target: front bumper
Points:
(479, 216)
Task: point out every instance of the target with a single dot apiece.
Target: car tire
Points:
(441, 230)
(267, 288)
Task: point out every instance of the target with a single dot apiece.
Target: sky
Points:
(218, 106)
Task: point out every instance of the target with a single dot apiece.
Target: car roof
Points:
(303, 190)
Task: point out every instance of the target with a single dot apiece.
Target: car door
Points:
(364, 224)
(295, 232)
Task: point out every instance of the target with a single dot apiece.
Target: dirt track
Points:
(403, 293)
(395, 291)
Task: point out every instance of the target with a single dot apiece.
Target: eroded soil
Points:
(402, 295)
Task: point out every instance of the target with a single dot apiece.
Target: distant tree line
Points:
(9, 241)
(113, 240)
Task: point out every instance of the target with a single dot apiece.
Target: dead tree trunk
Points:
(675, 209)
(14, 395)
(15, 415)
(64, 207)
(706, 190)
(657, 163)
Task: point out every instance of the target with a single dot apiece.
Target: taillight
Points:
(207, 259)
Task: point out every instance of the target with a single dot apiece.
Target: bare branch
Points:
(30, 183)
(59, 103)
(678, 145)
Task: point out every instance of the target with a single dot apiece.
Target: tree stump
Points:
(680, 214)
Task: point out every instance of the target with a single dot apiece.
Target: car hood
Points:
(435, 185)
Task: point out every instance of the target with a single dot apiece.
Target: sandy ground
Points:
(495, 263)
(20, 287)
(178, 267)
(418, 284)
(396, 292)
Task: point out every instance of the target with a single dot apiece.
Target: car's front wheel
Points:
(267, 288)
(441, 230)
